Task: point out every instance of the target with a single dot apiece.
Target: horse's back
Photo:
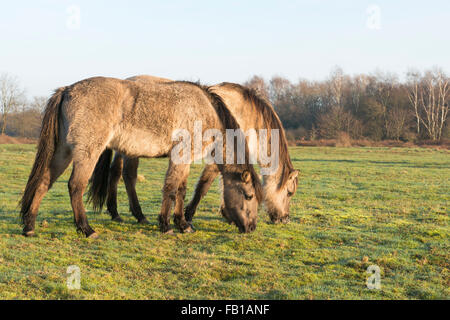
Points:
(132, 117)
(147, 78)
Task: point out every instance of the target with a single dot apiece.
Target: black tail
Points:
(98, 184)
(48, 140)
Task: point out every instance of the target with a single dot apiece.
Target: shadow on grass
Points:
(61, 219)
(14, 226)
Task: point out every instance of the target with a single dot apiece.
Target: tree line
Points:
(20, 116)
(377, 106)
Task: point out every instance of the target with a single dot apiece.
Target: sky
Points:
(48, 44)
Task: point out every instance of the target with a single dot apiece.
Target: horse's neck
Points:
(255, 152)
(272, 181)
(242, 112)
(248, 119)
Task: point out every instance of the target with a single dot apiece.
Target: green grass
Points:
(355, 207)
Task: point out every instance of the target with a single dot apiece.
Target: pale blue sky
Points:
(216, 40)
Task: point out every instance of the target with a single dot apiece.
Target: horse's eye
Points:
(247, 197)
(290, 194)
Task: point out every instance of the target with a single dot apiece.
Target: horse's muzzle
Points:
(277, 220)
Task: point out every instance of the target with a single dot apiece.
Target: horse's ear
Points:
(293, 174)
(246, 176)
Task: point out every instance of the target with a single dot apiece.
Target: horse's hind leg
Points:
(60, 160)
(174, 177)
(114, 177)
(204, 183)
(82, 170)
(129, 177)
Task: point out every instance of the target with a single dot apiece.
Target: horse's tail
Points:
(48, 140)
(98, 184)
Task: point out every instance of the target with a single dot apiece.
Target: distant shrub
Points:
(343, 140)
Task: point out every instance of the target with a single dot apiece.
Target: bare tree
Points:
(413, 95)
(386, 83)
(336, 84)
(31, 117)
(396, 123)
(429, 96)
(38, 104)
(279, 88)
(336, 121)
(259, 84)
(358, 90)
(11, 96)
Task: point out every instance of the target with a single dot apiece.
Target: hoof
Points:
(189, 229)
(117, 219)
(93, 236)
(143, 221)
(169, 232)
(29, 233)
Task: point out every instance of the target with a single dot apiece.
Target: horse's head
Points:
(242, 193)
(277, 200)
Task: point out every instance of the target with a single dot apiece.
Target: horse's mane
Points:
(271, 121)
(225, 116)
(229, 122)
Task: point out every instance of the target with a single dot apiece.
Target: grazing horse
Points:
(251, 112)
(84, 119)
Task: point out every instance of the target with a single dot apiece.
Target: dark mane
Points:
(271, 121)
(225, 116)
(229, 122)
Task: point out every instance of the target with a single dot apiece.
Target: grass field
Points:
(355, 207)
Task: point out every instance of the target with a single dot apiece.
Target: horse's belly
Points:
(140, 143)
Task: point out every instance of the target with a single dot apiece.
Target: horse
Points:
(252, 112)
(91, 118)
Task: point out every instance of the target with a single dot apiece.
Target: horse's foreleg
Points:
(204, 183)
(179, 218)
(114, 177)
(129, 177)
(174, 177)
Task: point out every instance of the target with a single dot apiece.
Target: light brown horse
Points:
(84, 119)
(252, 112)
